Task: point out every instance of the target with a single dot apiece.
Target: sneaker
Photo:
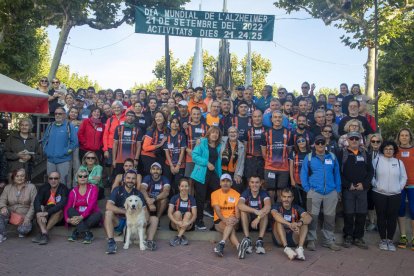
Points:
(391, 246)
(383, 245)
(74, 236)
(219, 249)
(290, 253)
(151, 245)
(311, 246)
(207, 213)
(2, 238)
(332, 246)
(299, 253)
(371, 227)
(259, 247)
(21, 236)
(347, 242)
(184, 240)
(360, 243)
(37, 238)
(111, 249)
(175, 241)
(403, 242)
(44, 239)
(249, 249)
(88, 237)
(200, 225)
(243, 247)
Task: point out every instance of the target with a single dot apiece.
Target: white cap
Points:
(183, 103)
(156, 164)
(226, 176)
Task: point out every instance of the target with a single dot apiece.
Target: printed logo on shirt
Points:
(184, 204)
(231, 199)
(360, 159)
(287, 218)
(254, 203)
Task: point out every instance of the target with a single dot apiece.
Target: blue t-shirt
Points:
(183, 205)
(155, 187)
(292, 215)
(254, 202)
(120, 194)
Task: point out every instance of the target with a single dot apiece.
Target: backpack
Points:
(309, 161)
(45, 139)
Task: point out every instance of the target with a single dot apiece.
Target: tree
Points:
(180, 73)
(356, 18)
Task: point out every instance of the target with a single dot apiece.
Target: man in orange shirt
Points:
(197, 100)
(226, 213)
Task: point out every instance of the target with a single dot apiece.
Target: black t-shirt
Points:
(120, 194)
(212, 155)
(53, 104)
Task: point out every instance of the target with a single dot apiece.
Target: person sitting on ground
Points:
(82, 209)
(182, 212)
(48, 205)
(226, 213)
(17, 204)
(115, 220)
(291, 225)
(90, 162)
(254, 205)
(128, 165)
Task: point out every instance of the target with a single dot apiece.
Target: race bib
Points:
(271, 175)
(141, 121)
(215, 124)
(231, 199)
(99, 129)
(158, 186)
(170, 145)
(162, 136)
(198, 130)
(127, 133)
(82, 208)
(360, 159)
(254, 203)
(257, 131)
(184, 204)
(339, 99)
(405, 154)
(328, 162)
(287, 217)
(58, 198)
(85, 116)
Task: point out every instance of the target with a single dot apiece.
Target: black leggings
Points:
(211, 183)
(87, 223)
(386, 207)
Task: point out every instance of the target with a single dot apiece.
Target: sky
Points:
(308, 50)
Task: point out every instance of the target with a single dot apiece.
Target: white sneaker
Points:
(383, 245)
(290, 253)
(391, 246)
(21, 236)
(299, 253)
(2, 238)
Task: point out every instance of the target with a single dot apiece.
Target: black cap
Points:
(240, 88)
(319, 138)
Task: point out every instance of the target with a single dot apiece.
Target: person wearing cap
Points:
(213, 117)
(197, 100)
(84, 112)
(263, 102)
(127, 143)
(242, 121)
(356, 175)
(183, 114)
(321, 179)
(226, 214)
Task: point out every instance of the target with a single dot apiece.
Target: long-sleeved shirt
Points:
(390, 176)
(20, 202)
(85, 204)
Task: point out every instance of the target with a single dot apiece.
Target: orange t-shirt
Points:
(227, 202)
(407, 157)
(200, 104)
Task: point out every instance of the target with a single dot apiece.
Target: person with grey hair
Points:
(22, 149)
(263, 102)
(316, 128)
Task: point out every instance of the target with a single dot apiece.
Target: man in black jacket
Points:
(49, 203)
(356, 175)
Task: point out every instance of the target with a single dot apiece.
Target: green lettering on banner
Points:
(257, 27)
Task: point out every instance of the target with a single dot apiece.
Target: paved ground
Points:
(59, 257)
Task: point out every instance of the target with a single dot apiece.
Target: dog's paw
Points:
(126, 246)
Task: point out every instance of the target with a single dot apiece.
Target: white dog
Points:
(135, 221)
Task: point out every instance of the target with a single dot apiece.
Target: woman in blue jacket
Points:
(207, 170)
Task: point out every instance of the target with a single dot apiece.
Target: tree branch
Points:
(341, 14)
(100, 26)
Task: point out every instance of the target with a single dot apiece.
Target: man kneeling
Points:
(291, 225)
(48, 205)
(226, 214)
(254, 206)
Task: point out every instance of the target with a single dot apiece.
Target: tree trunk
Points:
(370, 73)
(63, 37)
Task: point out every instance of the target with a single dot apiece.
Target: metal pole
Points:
(168, 80)
(376, 60)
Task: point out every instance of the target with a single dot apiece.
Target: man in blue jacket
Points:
(321, 179)
(59, 141)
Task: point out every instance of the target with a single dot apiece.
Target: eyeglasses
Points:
(337, 105)
(320, 143)
(53, 178)
(354, 138)
(375, 141)
(321, 107)
(91, 157)
(301, 140)
(59, 113)
(83, 176)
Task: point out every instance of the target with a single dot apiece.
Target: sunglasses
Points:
(320, 143)
(375, 141)
(54, 82)
(305, 87)
(91, 157)
(301, 140)
(44, 81)
(83, 176)
(53, 178)
(354, 138)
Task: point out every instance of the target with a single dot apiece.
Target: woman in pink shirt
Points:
(82, 209)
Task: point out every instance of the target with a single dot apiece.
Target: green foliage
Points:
(326, 91)
(180, 72)
(149, 86)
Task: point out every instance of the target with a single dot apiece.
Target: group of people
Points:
(256, 163)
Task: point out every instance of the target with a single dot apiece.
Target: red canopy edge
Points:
(23, 104)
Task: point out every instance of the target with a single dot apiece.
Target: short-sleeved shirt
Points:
(193, 133)
(120, 194)
(173, 145)
(127, 142)
(155, 187)
(242, 124)
(307, 135)
(212, 121)
(276, 143)
(297, 159)
(226, 201)
(406, 155)
(255, 202)
(183, 205)
(255, 135)
(226, 121)
(292, 215)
